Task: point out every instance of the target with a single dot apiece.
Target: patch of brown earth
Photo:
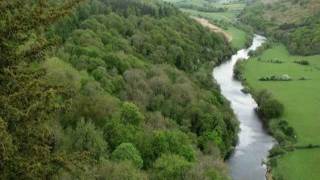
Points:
(212, 27)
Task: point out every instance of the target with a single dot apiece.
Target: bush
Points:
(284, 77)
(275, 61)
(276, 151)
(271, 108)
(238, 71)
(303, 62)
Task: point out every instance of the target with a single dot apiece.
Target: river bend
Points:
(246, 163)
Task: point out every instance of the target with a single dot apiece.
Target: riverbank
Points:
(254, 142)
(301, 99)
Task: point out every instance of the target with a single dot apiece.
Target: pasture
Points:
(301, 99)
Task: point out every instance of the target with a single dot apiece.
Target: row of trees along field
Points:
(295, 23)
(110, 89)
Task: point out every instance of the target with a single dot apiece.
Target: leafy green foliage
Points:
(130, 77)
(126, 151)
(174, 142)
(85, 137)
(6, 145)
(269, 107)
(171, 167)
(271, 110)
(28, 103)
(301, 33)
(130, 114)
(120, 170)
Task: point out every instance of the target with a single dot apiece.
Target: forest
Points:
(109, 89)
(296, 23)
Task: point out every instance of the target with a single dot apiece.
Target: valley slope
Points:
(293, 52)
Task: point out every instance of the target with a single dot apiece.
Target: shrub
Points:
(275, 61)
(284, 77)
(276, 151)
(271, 108)
(302, 62)
(238, 71)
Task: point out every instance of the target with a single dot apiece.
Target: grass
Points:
(229, 16)
(301, 100)
(239, 37)
(217, 16)
(299, 165)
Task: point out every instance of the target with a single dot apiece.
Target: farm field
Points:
(301, 99)
(216, 16)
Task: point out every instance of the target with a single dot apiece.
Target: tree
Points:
(22, 25)
(173, 142)
(28, 104)
(123, 170)
(126, 151)
(271, 108)
(171, 167)
(59, 73)
(130, 114)
(85, 137)
(6, 145)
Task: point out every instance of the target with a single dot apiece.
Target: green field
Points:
(229, 16)
(301, 99)
(226, 20)
(239, 37)
(299, 165)
(217, 16)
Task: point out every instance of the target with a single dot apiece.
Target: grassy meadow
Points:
(299, 165)
(301, 99)
(239, 37)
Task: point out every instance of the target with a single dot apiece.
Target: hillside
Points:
(293, 30)
(295, 23)
(109, 89)
(223, 14)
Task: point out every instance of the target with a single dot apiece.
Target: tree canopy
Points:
(108, 89)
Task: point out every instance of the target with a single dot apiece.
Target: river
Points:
(246, 163)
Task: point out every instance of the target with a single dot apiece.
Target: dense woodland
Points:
(110, 89)
(295, 22)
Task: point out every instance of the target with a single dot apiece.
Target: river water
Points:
(246, 163)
